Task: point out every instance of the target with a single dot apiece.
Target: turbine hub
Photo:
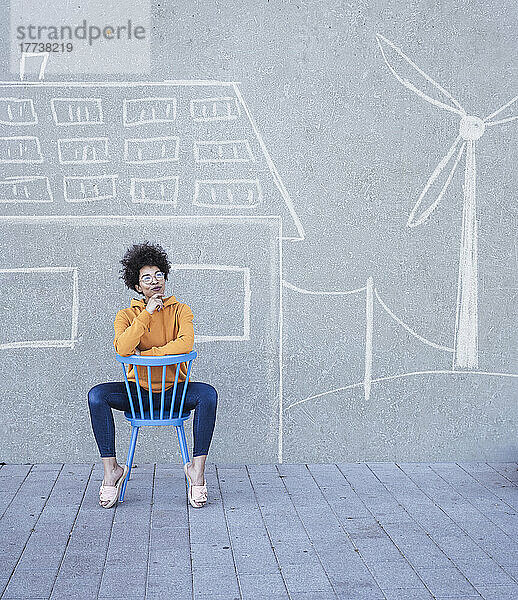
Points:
(471, 128)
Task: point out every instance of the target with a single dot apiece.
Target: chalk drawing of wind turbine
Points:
(470, 130)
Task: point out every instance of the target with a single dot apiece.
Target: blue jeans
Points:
(200, 397)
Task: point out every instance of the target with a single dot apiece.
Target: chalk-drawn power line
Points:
(290, 286)
(371, 294)
(471, 129)
(409, 329)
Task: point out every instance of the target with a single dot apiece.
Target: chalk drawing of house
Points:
(87, 163)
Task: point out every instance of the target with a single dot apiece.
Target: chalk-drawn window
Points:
(14, 111)
(222, 315)
(227, 193)
(56, 328)
(140, 151)
(214, 109)
(89, 188)
(148, 110)
(77, 151)
(156, 190)
(20, 149)
(77, 111)
(226, 151)
(35, 188)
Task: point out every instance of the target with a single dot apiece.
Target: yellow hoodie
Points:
(168, 331)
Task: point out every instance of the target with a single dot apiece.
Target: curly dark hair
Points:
(138, 256)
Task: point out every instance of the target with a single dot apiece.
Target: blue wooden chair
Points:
(155, 415)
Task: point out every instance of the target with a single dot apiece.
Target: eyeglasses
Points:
(148, 278)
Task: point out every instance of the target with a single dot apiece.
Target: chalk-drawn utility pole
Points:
(470, 130)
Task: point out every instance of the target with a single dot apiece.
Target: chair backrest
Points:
(156, 361)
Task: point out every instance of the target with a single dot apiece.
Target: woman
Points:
(153, 326)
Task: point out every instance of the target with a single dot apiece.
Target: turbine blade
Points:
(488, 121)
(491, 123)
(383, 42)
(413, 221)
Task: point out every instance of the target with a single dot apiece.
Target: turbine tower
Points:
(471, 129)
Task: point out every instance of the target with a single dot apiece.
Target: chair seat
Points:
(175, 420)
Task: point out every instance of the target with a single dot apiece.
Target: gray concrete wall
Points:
(383, 314)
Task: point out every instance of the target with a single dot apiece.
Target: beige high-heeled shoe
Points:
(197, 494)
(110, 493)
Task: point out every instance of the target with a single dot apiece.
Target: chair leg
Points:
(129, 461)
(183, 443)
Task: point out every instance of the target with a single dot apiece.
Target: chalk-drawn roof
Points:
(172, 147)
